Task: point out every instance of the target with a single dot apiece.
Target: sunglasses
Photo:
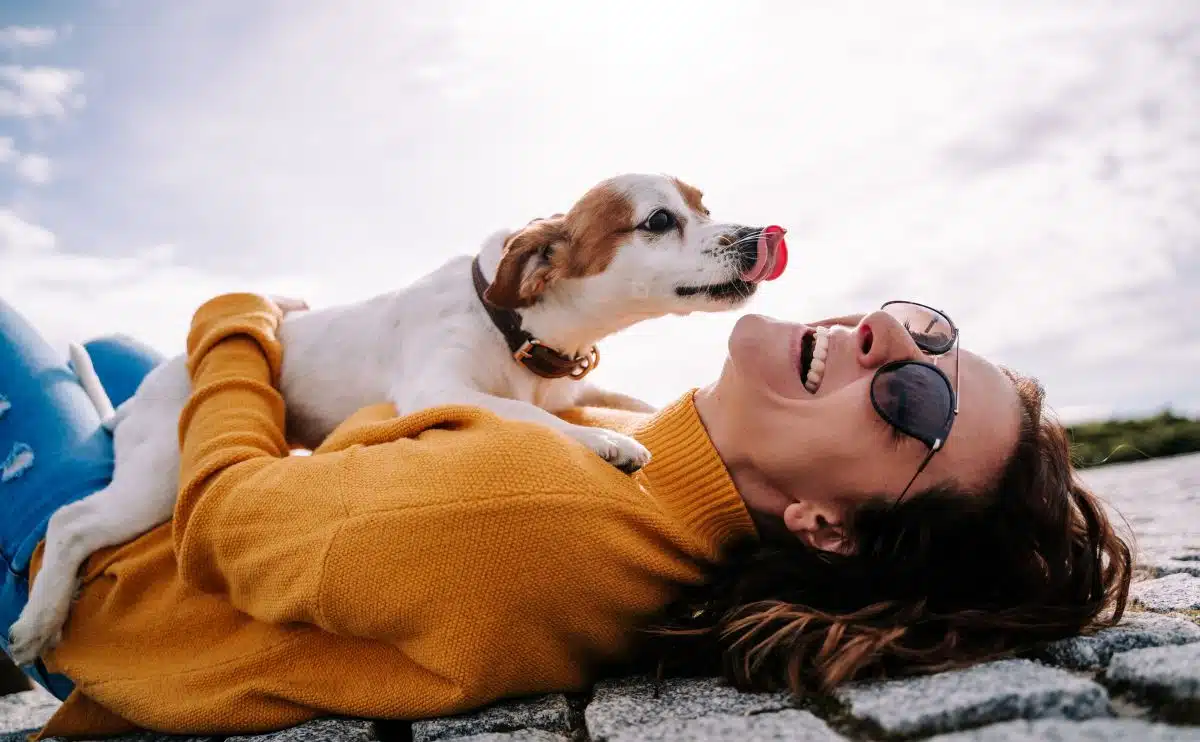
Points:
(915, 397)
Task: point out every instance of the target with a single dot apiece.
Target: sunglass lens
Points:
(931, 329)
(915, 399)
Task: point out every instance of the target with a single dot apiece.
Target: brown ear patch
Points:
(596, 224)
(531, 259)
(580, 243)
(692, 196)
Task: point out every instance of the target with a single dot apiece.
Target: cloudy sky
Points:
(1033, 167)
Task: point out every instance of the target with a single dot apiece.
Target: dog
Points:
(512, 329)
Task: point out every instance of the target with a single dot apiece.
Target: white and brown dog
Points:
(512, 330)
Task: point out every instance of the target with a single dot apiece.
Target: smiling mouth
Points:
(807, 344)
(736, 289)
(814, 354)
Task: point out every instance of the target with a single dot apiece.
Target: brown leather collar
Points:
(527, 350)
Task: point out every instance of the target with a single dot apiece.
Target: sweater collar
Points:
(688, 476)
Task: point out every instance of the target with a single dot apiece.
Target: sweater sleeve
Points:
(231, 435)
(393, 518)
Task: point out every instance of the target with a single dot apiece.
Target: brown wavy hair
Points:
(945, 579)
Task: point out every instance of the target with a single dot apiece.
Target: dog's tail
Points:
(90, 380)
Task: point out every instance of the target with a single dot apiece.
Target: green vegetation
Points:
(1109, 442)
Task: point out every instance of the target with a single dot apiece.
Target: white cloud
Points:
(13, 37)
(20, 239)
(72, 297)
(31, 92)
(34, 168)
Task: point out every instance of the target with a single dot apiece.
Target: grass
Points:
(1113, 441)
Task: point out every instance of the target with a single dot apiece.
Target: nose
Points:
(761, 251)
(882, 339)
(744, 243)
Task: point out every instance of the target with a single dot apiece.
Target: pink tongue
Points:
(772, 256)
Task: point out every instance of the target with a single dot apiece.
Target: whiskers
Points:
(743, 289)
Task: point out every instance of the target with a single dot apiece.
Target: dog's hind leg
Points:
(141, 495)
(590, 395)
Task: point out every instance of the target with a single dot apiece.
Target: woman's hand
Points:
(287, 304)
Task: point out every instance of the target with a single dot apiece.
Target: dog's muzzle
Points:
(761, 252)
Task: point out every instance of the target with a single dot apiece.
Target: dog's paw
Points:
(32, 636)
(617, 449)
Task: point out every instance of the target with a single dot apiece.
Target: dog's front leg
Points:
(618, 449)
(590, 395)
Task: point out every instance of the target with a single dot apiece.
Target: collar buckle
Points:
(579, 366)
(526, 350)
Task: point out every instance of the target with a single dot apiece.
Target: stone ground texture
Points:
(1136, 631)
(1139, 681)
(545, 713)
(1093, 730)
(1179, 591)
(618, 708)
(993, 692)
(1168, 676)
(25, 710)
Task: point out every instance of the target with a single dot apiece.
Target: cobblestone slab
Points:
(1164, 567)
(317, 730)
(525, 735)
(1172, 673)
(1175, 592)
(621, 706)
(988, 693)
(149, 737)
(26, 710)
(1057, 730)
(1136, 631)
(790, 725)
(548, 713)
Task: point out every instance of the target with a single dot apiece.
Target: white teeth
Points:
(817, 368)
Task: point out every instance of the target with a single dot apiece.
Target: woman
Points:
(915, 512)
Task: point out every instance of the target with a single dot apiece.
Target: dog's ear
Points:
(532, 259)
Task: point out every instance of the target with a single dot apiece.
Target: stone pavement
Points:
(1139, 681)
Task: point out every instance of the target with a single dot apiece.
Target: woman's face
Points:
(811, 459)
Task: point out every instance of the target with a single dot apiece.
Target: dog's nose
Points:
(745, 242)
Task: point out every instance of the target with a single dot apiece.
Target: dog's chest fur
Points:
(341, 359)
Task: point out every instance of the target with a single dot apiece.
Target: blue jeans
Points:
(53, 450)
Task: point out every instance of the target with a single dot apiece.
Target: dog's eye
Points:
(659, 221)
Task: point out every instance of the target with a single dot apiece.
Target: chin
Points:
(750, 339)
(765, 352)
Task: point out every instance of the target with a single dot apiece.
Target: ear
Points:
(818, 526)
(529, 263)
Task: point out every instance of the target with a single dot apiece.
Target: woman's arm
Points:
(232, 434)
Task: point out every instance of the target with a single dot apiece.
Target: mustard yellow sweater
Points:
(410, 567)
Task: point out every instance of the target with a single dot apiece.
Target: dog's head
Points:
(641, 245)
